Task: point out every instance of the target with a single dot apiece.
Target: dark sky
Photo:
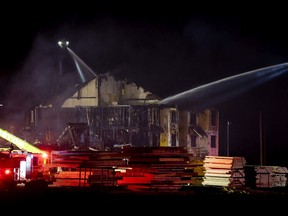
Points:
(166, 48)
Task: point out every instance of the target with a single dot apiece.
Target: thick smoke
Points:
(162, 56)
(165, 55)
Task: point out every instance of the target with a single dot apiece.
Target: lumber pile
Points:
(163, 169)
(159, 169)
(224, 171)
(85, 168)
(266, 176)
(68, 178)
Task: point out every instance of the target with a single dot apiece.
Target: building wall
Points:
(183, 129)
(197, 134)
(86, 96)
(113, 92)
(105, 90)
(169, 124)
(164, 120)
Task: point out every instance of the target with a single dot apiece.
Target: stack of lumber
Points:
(74, 158)
(195, 172)
(84, 168)
(224, 171)
(68, 179)
(266, 176)
(164, 169)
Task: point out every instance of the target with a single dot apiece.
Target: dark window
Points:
(173, 140)
(213, 141)
(193, 141)
(213, 118)
(193, 119)
(173, 116)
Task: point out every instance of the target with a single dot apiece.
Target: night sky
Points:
(165, 48)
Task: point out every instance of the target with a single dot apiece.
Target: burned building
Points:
(101, 113)
(106, 112)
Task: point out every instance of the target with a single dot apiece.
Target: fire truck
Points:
(25, 165)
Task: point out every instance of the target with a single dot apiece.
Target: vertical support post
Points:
(261, 141)
(228, 139)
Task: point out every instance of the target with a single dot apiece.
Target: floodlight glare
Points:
(63, 43)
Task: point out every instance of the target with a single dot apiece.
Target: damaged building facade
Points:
(106, 112)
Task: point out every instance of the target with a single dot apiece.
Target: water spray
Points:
(79, 63)
(212, 93)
